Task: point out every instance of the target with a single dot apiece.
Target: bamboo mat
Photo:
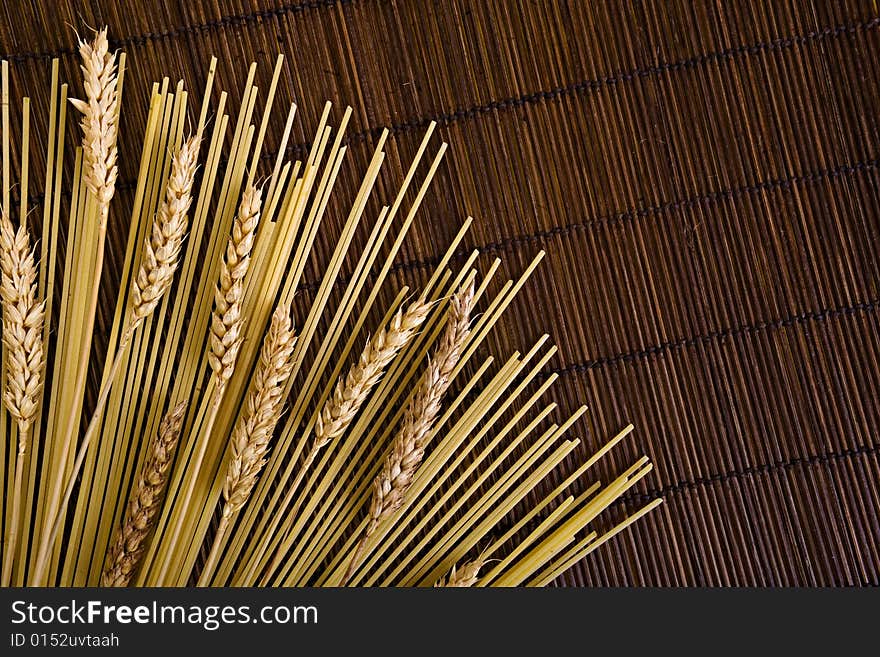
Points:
(705, 179)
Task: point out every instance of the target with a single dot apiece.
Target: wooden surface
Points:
(704, 178)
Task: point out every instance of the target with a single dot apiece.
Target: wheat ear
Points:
(100, 115)
(250, 437)
(352, 390)
(463, 577)
(22, 323)
(226, 321)
(158, 263)
(23, 337)
(129, 542)
(162, 248)
(408, 446)
(224, 336)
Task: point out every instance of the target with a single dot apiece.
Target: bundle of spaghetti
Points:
(461, 448)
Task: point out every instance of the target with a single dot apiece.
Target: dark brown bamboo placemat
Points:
(705, 178)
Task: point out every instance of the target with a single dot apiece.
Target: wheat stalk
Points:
(159, 261)
(226, 320)
(408, 447)
(23, 337)
(100, 117)
(250, 437)
(124, 554)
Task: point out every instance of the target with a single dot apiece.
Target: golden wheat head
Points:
(162, 247)
(352, 390)
(408, 447)
(250, 437)
(226, 320)
(22, 323)
(100, 114)
(463, 577)
(129, 542)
